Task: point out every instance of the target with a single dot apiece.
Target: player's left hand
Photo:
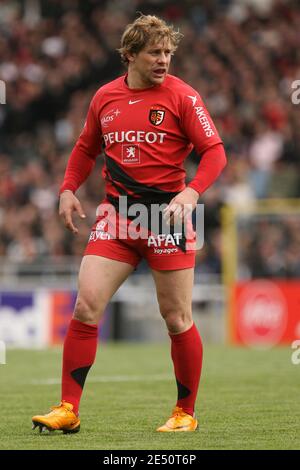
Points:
(181, 206)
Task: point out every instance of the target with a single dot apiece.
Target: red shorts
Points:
(163, 251)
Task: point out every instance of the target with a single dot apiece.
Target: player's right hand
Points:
(68, 203)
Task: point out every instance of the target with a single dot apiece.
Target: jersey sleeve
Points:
(84, 153)
(196, 122)
(212, 162)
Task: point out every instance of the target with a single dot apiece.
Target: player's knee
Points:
(87, 309)
(175, 324)
(177, 320)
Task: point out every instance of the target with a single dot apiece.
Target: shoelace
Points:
(177, 413)
(59, 406)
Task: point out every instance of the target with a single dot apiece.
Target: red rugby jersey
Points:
(147, 134)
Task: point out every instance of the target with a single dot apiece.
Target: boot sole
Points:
(42, 427)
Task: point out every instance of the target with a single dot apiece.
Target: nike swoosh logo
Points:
(133, 102)
(179, 429)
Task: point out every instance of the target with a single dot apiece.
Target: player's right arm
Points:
(80, 165)
(68, 203)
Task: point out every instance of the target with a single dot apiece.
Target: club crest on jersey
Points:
(156, 115)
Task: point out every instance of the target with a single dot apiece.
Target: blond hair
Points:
(146, 29)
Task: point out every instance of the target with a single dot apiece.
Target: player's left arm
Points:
(201, 131)
(213, 160)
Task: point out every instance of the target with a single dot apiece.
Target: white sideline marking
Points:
(109, 379)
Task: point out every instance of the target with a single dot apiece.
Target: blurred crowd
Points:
(241, 55)
(270, 247)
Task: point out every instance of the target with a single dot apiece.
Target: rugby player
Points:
(146, 122)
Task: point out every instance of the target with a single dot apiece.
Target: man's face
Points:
(150, 66)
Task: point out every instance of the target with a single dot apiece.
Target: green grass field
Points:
(247, 400)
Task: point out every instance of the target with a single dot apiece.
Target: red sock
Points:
(79, 354)
(186, 353)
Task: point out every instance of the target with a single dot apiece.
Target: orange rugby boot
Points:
(61, 418)
(179, 422)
